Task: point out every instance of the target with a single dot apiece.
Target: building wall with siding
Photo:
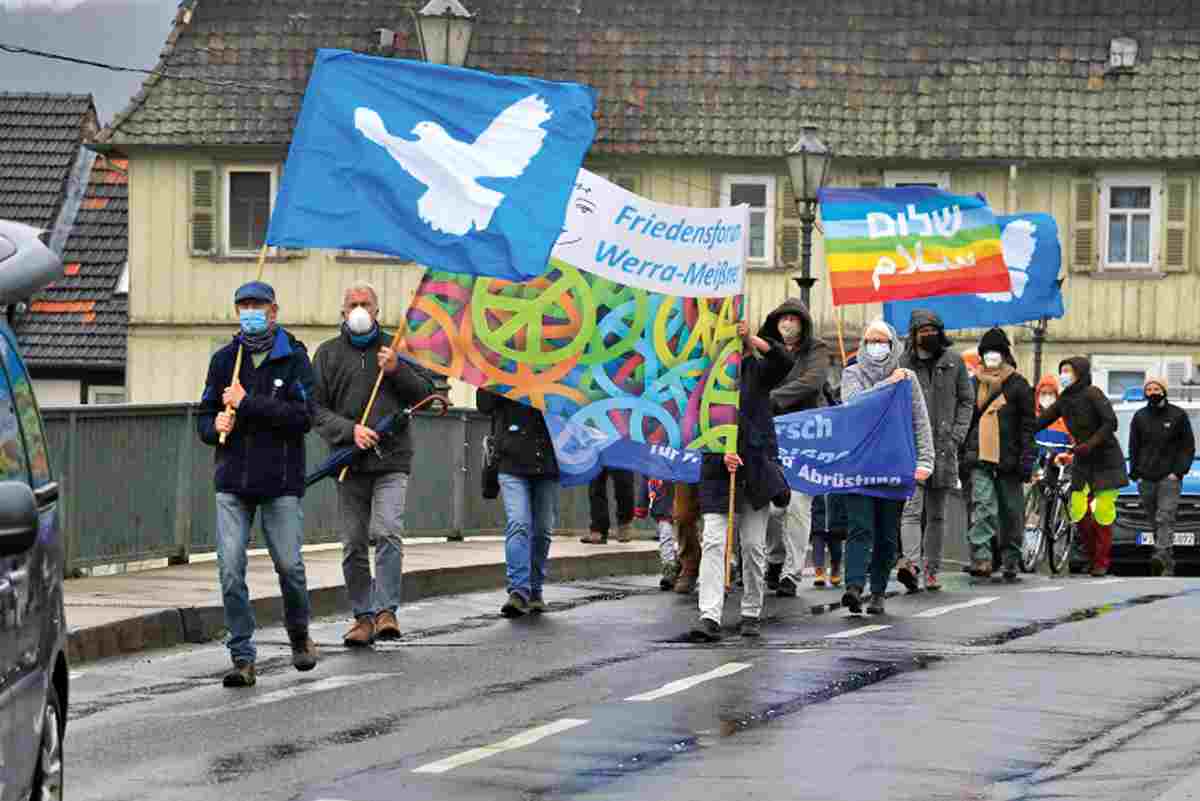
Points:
(181, 305)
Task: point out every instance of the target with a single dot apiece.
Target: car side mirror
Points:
(18, 518)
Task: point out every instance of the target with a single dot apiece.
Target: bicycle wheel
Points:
(1059, 534)
(1033, 541)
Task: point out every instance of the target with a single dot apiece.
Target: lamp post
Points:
(444, 28)
(808, 162)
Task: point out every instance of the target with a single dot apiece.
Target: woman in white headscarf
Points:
(873, 523)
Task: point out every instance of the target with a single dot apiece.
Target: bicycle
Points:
(1049, 531)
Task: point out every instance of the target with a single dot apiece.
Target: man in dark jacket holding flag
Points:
(260, 469)
(1162, 448)
(371, 499)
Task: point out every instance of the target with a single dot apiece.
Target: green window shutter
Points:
(1176, 242)
(789, 245)
(203, 222)
(1083, 226)
(787, 200)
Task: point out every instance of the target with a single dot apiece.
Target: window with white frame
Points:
(249, 199)
(757, 191)
(934, 180)
(1130, 219)
(1116, 375)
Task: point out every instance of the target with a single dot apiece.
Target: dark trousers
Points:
(871, 542)
(598, 499)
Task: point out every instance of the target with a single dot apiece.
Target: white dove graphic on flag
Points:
(454, 201)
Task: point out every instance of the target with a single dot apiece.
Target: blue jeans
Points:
(371, 507)
(531, 509)
(874, 526)
(283, 525)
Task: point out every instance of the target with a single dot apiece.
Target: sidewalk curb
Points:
(165, 628)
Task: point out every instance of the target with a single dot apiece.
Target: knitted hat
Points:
(1154, 379)
(995, 339)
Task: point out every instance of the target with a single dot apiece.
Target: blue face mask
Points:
(878, 351)
(253, 321)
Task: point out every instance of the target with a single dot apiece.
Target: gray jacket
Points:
(345, 376)
(949, 398)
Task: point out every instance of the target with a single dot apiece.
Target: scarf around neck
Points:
(362, 341)
(991, 380)
(259, 343)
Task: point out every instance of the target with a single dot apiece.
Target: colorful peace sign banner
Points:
(614, 362)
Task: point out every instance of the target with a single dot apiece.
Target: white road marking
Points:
(511, 744)
(938, 611)
(797, 650)
(842, 635)
(728, 669)
(298, 691)
(1107, 581)
(1045, 589)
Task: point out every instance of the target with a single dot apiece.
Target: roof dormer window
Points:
(1122, 54)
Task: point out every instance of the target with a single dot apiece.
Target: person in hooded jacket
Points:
(1001, 453)
(759, 483)
(789, 528)
(1097, 463)
(949, 398)
(1162, 448)
(873, 523)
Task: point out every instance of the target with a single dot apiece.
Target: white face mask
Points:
(878, 351)
(1048, 401)
(359, 321)
(992, 360)
(789, 330)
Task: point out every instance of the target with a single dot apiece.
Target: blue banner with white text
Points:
(583, 451)
(864, 447)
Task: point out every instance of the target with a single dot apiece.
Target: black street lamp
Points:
(444, 28)
(808, 162)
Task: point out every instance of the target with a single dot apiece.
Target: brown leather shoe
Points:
(594, 538)
(386, 626)
(685, 583)
(981, 568)
(361, 634)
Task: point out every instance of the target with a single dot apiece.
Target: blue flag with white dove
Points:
(452, 168)
(1033, 255)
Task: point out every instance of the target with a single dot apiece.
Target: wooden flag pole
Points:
(841, 339)
(729, 533)
(237, 363)
(374, 393)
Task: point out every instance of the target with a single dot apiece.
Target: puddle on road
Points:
(1074, 616)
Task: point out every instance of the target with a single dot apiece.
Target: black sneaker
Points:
(787, 587)
(1158, 565)
(1011, 577)
(670, 573)
(875, 607)
(772, 576)
(242, 675)
(852, 600)
(908, 578)
(515, 606)
(751, 627)
(705, 631)
(536, 605)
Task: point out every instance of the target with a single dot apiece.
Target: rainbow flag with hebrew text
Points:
(650, 379)
(909, 242)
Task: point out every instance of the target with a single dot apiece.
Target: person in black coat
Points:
(1162, 448)
(1097, 463)
(760, 482)
(529, 490)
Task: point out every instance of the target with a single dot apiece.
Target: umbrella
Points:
(346, 457)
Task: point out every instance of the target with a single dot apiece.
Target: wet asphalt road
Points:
(1067, 689)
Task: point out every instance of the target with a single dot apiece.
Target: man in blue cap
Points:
(260, 468)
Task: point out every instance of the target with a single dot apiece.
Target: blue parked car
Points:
(1133, 532)
(33, 631)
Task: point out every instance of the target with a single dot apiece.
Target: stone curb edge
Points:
(170, 627)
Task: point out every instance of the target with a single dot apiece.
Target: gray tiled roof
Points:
(928, 79)
(79, 321)
(40, 136)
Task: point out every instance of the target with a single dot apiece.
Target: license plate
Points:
(1185, 538)
(1145, 538)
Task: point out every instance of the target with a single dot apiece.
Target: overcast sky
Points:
(129, 33)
